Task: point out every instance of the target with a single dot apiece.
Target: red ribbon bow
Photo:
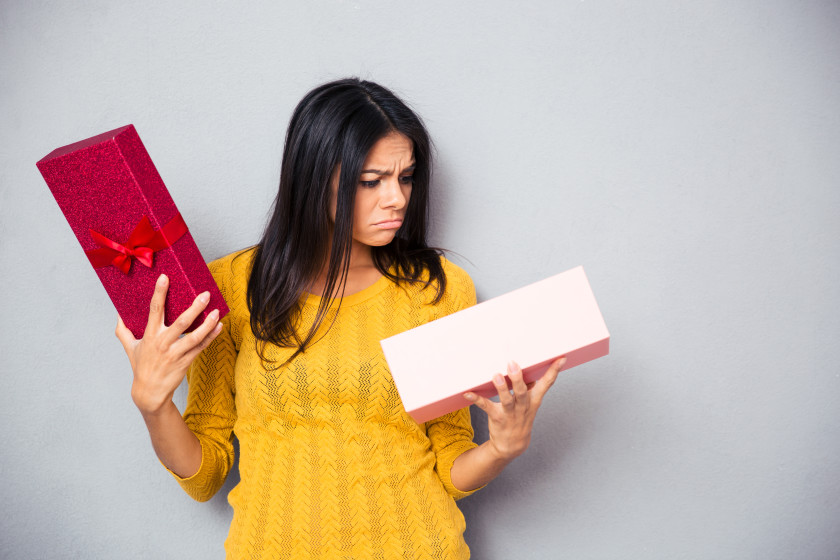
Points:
(142, 244)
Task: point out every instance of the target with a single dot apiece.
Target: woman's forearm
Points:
(476, 467)
(160, 361)
(175, 444)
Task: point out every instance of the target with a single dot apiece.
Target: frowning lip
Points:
(389, 224)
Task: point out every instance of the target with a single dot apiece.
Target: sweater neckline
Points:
(353, 299)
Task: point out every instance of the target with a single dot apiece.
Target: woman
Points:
(331, 466)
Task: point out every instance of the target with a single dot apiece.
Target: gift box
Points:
(434, 364)
(128, 226)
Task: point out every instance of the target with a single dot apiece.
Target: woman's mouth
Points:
(389, 224)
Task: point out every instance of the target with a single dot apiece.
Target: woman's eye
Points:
(369, 184)
(407, 179)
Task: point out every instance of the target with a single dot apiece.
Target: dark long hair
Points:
(335, 124)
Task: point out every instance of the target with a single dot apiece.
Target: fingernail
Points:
(205, 297)
(214, 314)
(499, 379)
(161, 280)
(469, 396)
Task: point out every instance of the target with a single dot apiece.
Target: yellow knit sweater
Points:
(331, 466)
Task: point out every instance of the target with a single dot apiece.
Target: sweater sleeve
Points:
(210, 412)
(452, 434)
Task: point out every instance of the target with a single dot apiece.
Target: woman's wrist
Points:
(504, 453)
(149, 405)
(478, 466)
(498, 456)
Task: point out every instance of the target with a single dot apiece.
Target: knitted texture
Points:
(330, 464)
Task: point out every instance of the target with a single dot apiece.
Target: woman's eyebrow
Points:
(383, 172)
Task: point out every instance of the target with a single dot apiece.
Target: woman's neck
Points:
(362, 273)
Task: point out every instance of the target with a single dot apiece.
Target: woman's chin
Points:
(380, 239)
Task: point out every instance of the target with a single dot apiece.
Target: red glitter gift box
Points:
(128, 226)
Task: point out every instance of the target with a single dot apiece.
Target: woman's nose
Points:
(392, 194)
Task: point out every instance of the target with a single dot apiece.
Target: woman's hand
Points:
(161, 358)
(511, 420)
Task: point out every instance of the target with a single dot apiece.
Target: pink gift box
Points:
(434, 364)
(128, 226)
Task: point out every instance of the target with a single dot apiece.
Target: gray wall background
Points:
(685, 153)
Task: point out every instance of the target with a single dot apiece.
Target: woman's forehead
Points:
(392, 150)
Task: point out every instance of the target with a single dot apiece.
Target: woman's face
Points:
(383, 192)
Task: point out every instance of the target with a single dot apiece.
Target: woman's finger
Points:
(505, 398)
(124, 335)
(189, 341)
(479, 401)
(157, 305)
(197, 349)
(547, 380)
(520, 390)
(185, 319)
